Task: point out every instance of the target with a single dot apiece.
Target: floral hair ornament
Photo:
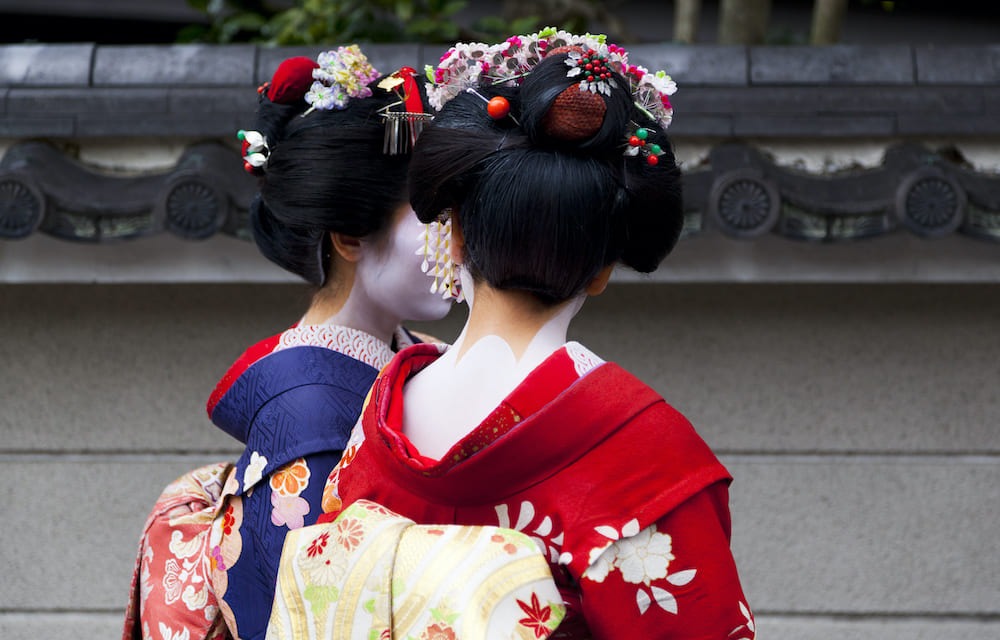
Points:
(325, 83)
(339, 76)
(467, 65)
(594, 68)
(402, 127)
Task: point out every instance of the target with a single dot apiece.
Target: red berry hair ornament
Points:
(498, 107)
(637, 144)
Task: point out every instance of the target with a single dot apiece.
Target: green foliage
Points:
(228, 21)
(887, 5)
(316, 22)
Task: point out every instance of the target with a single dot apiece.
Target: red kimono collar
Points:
(549, 421)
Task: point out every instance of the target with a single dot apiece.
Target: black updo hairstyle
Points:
(325, 173)
(541, 214)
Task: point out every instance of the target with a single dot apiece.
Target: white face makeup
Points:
(390, 272)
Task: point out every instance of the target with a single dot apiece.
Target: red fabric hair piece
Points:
(410, 90)
(291, 80)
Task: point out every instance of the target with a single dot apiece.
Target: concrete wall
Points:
(860, 422)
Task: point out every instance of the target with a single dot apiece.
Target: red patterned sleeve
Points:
(674, 579)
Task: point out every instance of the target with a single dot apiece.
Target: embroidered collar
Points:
(351, 342)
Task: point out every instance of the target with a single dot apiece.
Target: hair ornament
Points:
(594, 67)
(255, 150)
(637, 144)
(498, 107)
(468, 65)
(402, 127)
(437, 263)
(340, 75)
(651, 93)
(291, 80)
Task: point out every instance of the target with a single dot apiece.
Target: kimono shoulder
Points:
(650, 461)
(291, 403)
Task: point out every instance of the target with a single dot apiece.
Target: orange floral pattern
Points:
(291, 479)
(438, 631)
(349, 533)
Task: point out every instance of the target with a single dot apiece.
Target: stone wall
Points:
(859, 422)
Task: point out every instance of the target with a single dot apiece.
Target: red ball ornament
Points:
(498, 107)
(248, 167)
(634, 141)
(652, 160)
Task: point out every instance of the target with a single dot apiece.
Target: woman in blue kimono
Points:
(330, 147)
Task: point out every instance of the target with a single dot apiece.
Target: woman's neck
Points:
(516, 317)
(507, 335)
(340, 303)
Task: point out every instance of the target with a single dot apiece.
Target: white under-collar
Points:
(350, 342)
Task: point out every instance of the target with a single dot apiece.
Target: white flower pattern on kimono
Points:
(748, 630)
(173, 581)
(321, 564)
(643, 557)
(254, 471)
(166, 633)
(543, 532)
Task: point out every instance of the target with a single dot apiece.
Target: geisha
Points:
(550, 161)
(332, 210)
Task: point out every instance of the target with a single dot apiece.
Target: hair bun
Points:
(556, 107)
(575, 115)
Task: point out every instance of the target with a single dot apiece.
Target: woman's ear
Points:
(600, 282)
(347, 247)
(457, 244)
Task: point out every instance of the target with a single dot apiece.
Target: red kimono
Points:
(626, 500)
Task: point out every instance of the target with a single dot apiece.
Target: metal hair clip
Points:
(401, 130)
(402, 127)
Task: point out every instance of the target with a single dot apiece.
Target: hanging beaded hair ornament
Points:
(590, 58)
(435, 248)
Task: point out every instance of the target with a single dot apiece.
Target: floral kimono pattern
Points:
(292, 400)
(365, 576)
(627, 503)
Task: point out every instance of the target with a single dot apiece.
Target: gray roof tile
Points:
(694, 65)
(937, 64)
(180, 65)
(833, 65)
(45, 64)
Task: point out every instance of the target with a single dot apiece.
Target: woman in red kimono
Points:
(331, 209)
(550, 159)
